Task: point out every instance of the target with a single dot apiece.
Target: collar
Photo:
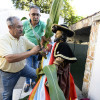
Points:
(13, 38)
(31, 24)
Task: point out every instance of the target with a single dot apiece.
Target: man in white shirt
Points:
(13, 52)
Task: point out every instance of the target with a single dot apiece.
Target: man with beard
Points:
(33, 30)
(63, 57)
(13, 52)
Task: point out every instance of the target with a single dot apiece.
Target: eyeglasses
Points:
(35, 14)
(18, 26)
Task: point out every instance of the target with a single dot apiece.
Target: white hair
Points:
(10, 20)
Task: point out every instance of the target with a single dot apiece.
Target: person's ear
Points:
(29, 14)
(9, 26)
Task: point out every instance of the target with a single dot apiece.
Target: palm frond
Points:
(53, 17)
(54, 89)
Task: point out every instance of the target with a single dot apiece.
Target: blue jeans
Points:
(9, 80)
(32, 62)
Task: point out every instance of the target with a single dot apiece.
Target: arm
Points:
(11, 58)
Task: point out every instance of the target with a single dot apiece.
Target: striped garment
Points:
(40, 92)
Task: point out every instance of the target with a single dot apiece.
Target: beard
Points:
(57, 39)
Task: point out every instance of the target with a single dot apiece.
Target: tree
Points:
(67, 11)
(25, 4)
(68, 14)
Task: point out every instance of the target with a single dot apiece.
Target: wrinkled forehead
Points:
(17, 22)
(34, 10)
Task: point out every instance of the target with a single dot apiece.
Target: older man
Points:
(13, 52)
(33, 30)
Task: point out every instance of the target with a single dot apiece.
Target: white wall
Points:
(94, 89)
(3, 26)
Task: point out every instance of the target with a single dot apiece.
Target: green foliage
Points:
(23, 18)
(67, 11)
(68, 14)
(53, 17)
(24, 4)
(54, 89)
(44, 5)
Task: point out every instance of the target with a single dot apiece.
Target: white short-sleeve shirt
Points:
(11, 45)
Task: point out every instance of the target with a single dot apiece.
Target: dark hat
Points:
(63, 28)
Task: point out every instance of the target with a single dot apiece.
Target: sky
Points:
(86, 7)
(82, 7)
(6, 4)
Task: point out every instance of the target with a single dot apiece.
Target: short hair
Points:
(10, 20)
(34, 6)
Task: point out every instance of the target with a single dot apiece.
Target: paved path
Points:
(18, 92)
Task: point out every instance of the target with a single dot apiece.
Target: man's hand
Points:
(43, 52)
(43, 40)
(35, 49)
(58, 61)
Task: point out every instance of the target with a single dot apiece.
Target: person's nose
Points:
(36, 16)
(21, 28)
